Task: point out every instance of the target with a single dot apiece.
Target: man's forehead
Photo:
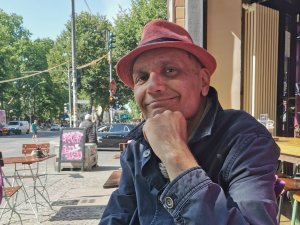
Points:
(160, 54)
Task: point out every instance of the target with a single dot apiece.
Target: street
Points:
(77, 197)
(11, 145)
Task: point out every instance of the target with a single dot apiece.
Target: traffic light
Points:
(110, 99)
(111, 40)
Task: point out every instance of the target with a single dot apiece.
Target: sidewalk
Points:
(77, 197)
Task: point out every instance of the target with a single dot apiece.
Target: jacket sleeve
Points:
(249, 170)
(122, 206)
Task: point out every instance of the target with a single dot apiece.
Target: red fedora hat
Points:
(162, 34)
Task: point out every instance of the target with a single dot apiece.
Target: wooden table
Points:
(38, 186)
(290, 149)
(25, 159)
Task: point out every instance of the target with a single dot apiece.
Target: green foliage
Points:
(128, 28)
(135, 112)
(90, 42)
(13, 40)
(44, 95)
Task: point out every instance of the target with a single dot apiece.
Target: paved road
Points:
(11, 145)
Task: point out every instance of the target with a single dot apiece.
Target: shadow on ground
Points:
(69, 213)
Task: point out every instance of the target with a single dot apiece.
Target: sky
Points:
(47, 18)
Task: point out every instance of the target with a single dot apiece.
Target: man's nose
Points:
(156, 82)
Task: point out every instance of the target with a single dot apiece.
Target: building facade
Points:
(256, 45)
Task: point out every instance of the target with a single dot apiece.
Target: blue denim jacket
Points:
(234, 183)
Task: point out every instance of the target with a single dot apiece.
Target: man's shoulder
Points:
(241, 121)
(86, 123)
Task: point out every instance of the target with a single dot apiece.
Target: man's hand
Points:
(167, 136)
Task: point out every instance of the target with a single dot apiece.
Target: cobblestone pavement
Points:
(76, 197)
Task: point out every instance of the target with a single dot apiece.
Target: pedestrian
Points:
(34, 128)
(189, 161)
(90, 127)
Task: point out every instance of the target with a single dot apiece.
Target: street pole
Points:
(70, 96)
(74, 65)
(110, 93)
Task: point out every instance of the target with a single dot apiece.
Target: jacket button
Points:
(146, 153)
(169, 202)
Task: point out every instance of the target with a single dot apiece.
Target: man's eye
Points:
(171, 71)
(141, 78)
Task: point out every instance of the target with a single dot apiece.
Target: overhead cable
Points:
(44, 71)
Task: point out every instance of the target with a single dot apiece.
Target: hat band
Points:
(163, 39)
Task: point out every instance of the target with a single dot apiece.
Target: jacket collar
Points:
(209, 118)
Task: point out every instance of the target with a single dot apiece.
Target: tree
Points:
(128, 28)
(13, 38)
(91, 45)
(19, 56)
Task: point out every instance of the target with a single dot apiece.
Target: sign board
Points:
(82, 101)
(2, 117)
(71, 149)
(124, 116)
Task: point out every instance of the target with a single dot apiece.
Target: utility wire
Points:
(44, 71)
(87, 5)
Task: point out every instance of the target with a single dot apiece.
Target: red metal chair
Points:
(9, 194)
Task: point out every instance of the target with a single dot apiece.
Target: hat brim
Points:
(124, 65)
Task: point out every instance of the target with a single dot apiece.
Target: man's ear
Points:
(205, 78)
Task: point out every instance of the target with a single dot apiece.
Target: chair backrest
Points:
(1, 177)
(28, 148)
(279, 186)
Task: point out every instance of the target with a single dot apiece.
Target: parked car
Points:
(4, 130)
(18, 127)
(110, 136)
(55, 127)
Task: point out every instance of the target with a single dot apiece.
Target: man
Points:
(34, 128)
(90, 127)
(190, 162)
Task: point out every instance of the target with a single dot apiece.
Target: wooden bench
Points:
(28, 148)
(113, 180)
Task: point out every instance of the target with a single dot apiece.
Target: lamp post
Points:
(30, 99)
(74, 73)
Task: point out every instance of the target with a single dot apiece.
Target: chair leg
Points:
(11, 208)
(279, 209)
(294, 212)
(296, 170)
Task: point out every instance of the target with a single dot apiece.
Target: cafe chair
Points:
(38, 170)
(10, 196)
(37, 150)
(291, 186)
(296, 198)
(279, 190)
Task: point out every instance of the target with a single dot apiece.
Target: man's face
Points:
(169, 79)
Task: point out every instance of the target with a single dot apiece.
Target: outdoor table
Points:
(290, 149)
(19, 174)
(289, 153)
